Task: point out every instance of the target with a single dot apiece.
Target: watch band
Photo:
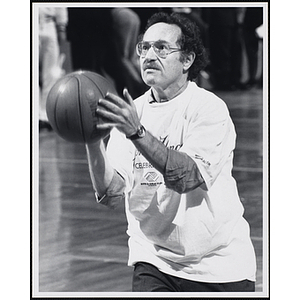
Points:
(139, 134)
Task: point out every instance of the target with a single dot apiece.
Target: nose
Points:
(151, 55)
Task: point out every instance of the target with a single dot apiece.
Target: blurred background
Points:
(103, 40)
(83, 246)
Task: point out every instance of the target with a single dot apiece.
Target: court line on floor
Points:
(63, 160)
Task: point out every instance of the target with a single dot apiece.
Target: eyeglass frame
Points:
(152, 44)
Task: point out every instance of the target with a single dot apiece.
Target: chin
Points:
(150, 80)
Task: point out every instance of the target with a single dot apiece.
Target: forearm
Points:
(108, 184)
(101, 171)
(153, 150)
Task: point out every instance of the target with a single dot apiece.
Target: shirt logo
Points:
(151, 178)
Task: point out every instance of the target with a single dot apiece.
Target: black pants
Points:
(147, 278)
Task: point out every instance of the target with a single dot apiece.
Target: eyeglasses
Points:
(162, 49)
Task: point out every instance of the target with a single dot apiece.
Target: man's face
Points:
(166, 72)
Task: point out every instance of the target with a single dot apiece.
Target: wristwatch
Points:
(141, 132)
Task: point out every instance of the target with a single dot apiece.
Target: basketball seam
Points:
(55, 106)
(79, 109)
(95, 83)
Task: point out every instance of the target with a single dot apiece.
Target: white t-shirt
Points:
(200, 235)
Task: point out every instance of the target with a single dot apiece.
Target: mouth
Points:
(150, 70)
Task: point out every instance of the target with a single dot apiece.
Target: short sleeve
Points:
(210, 140)
(115, 192)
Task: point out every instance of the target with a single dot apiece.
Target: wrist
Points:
(140, 133)
(95, 147)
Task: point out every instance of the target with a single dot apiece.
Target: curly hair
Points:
(189, 41)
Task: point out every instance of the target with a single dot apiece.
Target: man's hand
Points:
(119, 113)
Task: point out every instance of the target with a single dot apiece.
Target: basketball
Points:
(71, 106)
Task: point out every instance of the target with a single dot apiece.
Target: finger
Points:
(112, 117)
(114, 99)
(108, 105)
(127, 96)
(105, 126)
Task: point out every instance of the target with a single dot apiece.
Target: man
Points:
(170, 158)
(52, 34)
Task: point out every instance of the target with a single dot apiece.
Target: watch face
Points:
(141, 132)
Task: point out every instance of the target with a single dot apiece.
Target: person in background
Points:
(126, 29)
(52, 33)
(253, 20)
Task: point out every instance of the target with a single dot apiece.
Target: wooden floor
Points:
(82, 246)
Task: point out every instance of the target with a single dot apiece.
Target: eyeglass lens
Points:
(160, 48)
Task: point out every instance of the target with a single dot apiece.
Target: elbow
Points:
(176, 185)
(182, 174)
(182, 187)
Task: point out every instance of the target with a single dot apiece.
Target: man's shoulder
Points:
(203, 96)
(206, 103)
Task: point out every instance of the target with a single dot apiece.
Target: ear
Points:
(188, 60)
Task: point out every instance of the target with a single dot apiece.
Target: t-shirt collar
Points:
(152, 98)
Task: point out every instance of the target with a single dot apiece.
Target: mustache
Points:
(150, 65)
